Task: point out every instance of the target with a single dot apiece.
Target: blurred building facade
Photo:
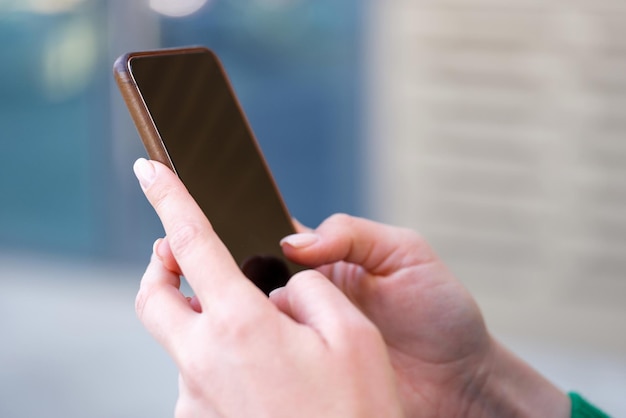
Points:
(69, 143)
(497, 130)
(504, 131)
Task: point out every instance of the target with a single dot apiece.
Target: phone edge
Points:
(143, 122)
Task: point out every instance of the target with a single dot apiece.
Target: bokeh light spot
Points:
(177, 8)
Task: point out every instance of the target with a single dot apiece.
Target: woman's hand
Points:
(311, 353)
(446, 362)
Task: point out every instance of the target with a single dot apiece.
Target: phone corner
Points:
(120, 70)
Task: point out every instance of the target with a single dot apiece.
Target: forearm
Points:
(514, 389)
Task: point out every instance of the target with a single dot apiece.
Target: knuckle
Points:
(417, 245)
(237, 328)
(160, 195)
(236, 331)
(302, 278)
(305, 281)
(412, 236)
(183, 237)
(140, 302)
(361, 332)
(341, 219)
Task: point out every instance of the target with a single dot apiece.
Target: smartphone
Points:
(189, 119)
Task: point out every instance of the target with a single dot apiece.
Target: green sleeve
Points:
(583, 409)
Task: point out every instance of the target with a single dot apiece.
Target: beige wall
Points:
(498, 130)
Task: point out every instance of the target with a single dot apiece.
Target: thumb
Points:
(380, 249)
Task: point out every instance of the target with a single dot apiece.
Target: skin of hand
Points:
(446, 362)
(307, 352)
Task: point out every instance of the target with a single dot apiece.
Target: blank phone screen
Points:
(214, 153)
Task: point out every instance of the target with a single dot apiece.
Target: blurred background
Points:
(495, 129)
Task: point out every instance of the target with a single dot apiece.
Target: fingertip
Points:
(155, 248)
(160, 306)
(300, 241)
(162, 248)
(309, 298)
(145, 172)
(163, 253)
(194, 303)
(275, 294)
(279, 298)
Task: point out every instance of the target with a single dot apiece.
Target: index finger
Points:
(204, 260)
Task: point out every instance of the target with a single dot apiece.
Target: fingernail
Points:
(300, 241)
(276, 292)
(155, 247)
(144, 170)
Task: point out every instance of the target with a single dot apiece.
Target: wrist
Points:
(511, 388)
